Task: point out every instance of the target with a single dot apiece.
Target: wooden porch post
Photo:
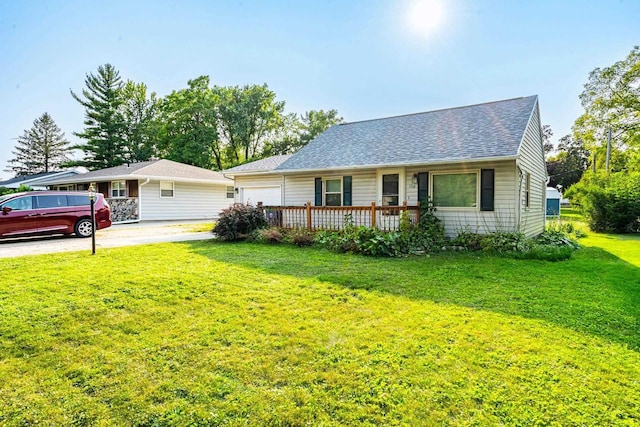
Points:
(309, 216)
(373, 214)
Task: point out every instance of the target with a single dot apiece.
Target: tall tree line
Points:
(203, 125)
(611, 102)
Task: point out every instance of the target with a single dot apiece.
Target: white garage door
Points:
(269, 196)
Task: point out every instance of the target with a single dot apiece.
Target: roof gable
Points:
(475, 132)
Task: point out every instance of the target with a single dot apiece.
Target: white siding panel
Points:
(532, 219)
(299, 189)
(257, 181)
(502, 218)
(190, 201)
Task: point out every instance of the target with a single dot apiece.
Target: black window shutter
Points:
(318, 201)
(486, 189)
(346, 191)
(423, 187)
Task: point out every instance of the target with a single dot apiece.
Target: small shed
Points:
(553, 201)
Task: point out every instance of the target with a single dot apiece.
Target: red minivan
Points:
(51, 212)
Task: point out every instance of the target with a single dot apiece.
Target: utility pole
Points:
(608, 151)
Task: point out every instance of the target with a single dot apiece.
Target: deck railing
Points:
(313, 218)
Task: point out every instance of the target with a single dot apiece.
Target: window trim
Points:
(124, 189)
(232, 191)
(402, 184)
(173, 189)
(432, 194)
(324, 189)
(527, 190)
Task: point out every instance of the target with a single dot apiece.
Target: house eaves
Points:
(397, 165)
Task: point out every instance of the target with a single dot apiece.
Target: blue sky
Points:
(359, 57)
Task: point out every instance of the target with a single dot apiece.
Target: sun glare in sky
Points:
(424, 17)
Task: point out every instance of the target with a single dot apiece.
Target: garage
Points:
(268, 196)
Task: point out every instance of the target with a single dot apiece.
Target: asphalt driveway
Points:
(116, 235)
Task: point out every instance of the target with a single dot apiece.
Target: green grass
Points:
(247, 334)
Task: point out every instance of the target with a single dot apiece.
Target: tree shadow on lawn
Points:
(594, 292)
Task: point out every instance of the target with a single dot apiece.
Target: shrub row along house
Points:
(482, 166)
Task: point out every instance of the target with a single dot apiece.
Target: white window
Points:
(231, 192)
(455, 190)
(118, 189)
(166, 188)
(333, 192)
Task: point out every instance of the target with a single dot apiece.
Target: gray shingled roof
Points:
(263, 165)
(482, 131)
(23, 178)
(162, 168)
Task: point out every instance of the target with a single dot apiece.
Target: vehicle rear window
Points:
(52, 201)
(78, 200)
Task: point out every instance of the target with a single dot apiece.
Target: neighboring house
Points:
(482, 166)
(156, 190)
(35, 181)
(553, 201)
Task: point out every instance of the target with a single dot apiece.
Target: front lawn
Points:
(246, 334)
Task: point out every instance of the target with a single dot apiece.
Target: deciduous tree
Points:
(566, 167)
(189, 127)
(248, 117)
(611, 99)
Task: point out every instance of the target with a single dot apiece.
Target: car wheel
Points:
(83, 228)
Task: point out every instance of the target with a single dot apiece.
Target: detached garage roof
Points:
(153, 169)
(484, 131)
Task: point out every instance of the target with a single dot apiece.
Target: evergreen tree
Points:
(43, 148)
(104, 124)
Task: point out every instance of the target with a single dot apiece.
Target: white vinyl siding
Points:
(299, 189)
(258, 181)
(502, 218)
(190, 201)
(532, 217)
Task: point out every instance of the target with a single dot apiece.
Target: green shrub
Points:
(503, 241)
(238, 222)
(336, 241)
(300, 237)
(269, 235)
(374, 242)
(610, 203)
(556, 238)
(469, 240)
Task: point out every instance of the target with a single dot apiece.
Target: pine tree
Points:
(104, 125)
(43, 148)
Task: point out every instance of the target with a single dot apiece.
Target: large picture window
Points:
(455, 190)
(118, 189)
(333, 192)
